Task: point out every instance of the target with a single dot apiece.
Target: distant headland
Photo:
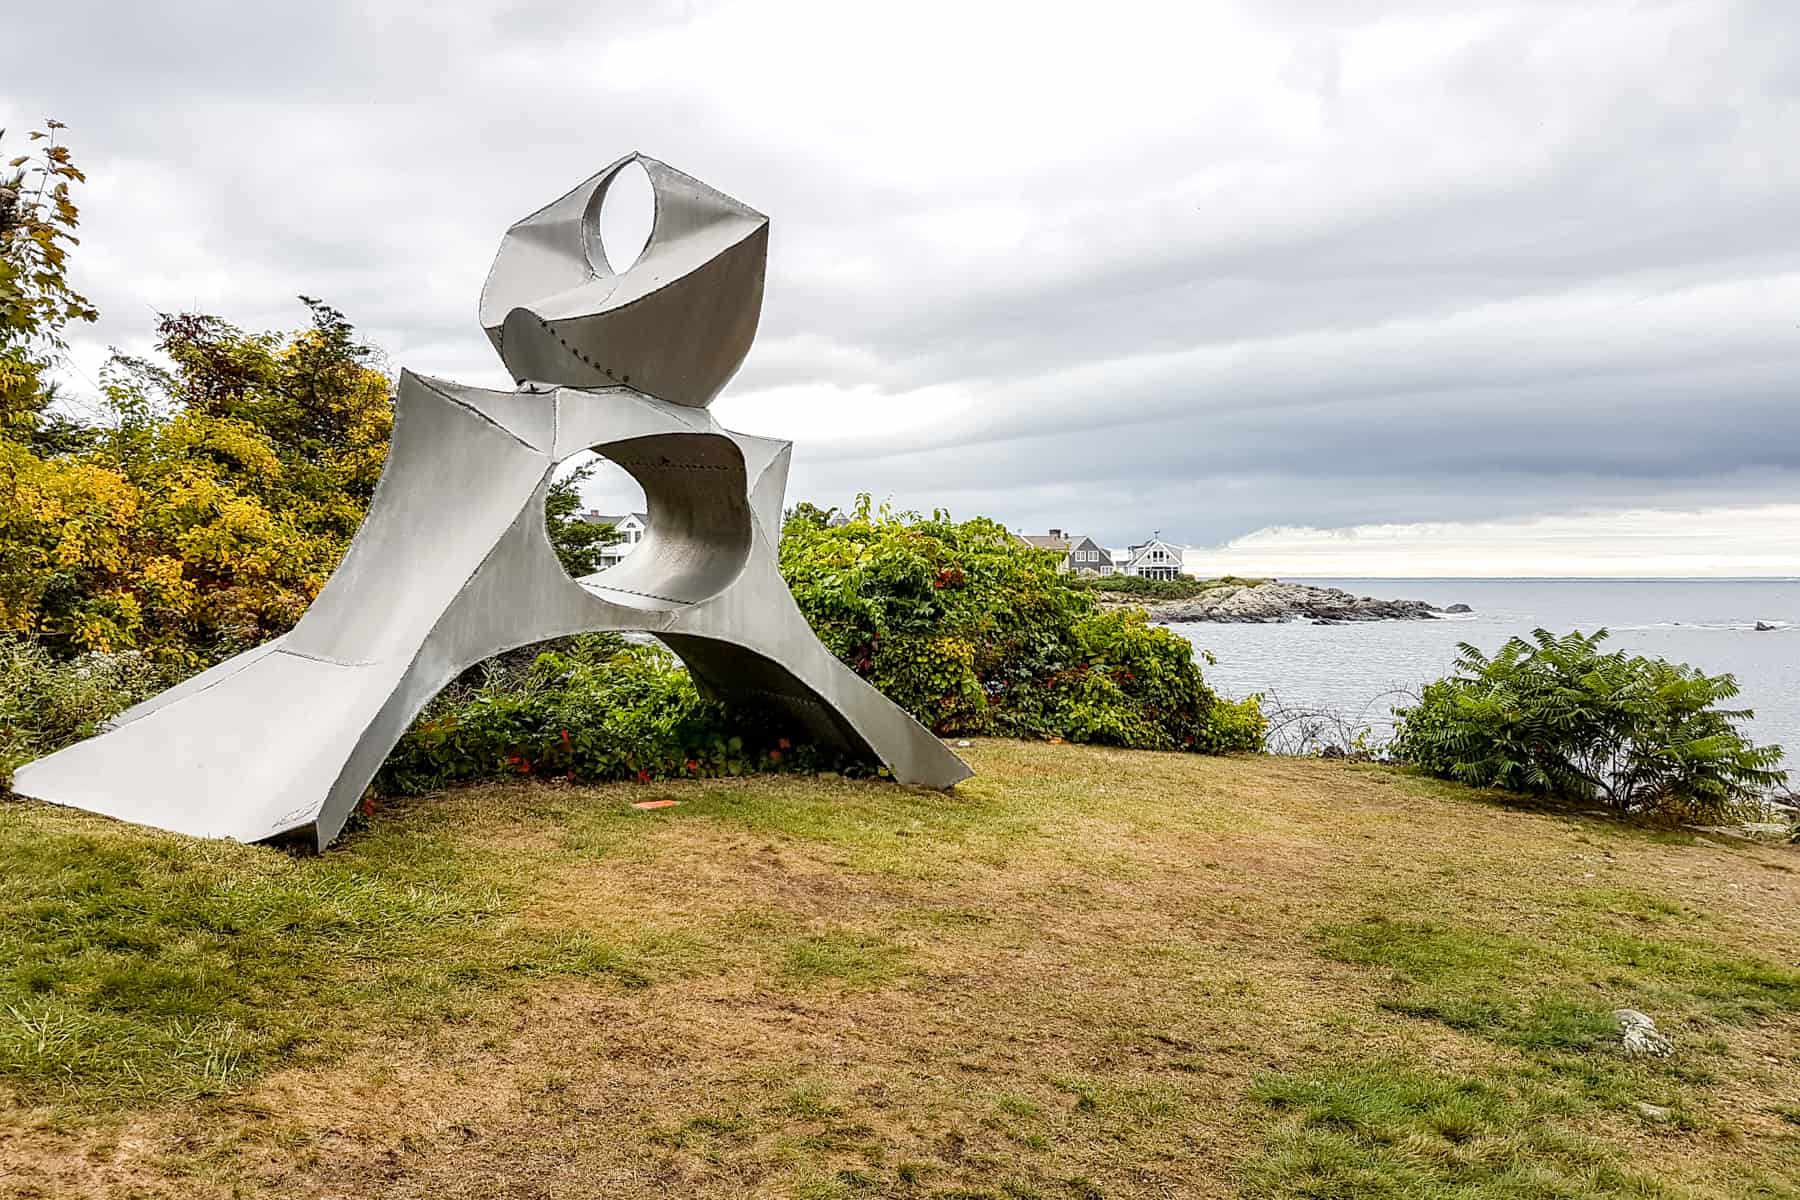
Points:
(1149, 575)
(1263, 601)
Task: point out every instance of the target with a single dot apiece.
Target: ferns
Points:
(1558, 716)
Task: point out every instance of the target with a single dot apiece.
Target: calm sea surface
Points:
(1709, 624)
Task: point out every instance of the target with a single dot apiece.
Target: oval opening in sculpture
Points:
(699, 521)
(626, 218)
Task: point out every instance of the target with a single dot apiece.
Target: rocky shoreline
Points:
(1274, 601)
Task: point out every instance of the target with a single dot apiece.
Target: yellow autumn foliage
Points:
(210, 512)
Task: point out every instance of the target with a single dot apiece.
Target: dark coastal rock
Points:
(1764, 627)
(1276, 601)
(1457, 608)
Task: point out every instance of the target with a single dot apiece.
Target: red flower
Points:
(784, 743)
(565, 739)
(643, 774)
(692, 765)
(774, 756)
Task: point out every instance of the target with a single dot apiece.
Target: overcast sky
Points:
(1238, 272)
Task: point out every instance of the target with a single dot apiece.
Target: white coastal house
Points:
(631, 528)
(1154, 559)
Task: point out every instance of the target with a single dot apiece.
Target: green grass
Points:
(1391, 1131)
(1087, 973)
(845, 958)
(1558, 993)
(1552, 998)
(137, 967)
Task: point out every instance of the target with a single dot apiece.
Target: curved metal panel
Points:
(454, 480)
(675, 325)
(699, 510)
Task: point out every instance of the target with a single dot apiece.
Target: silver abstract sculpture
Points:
(452, 564)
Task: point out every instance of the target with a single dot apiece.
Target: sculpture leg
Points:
(252, 749)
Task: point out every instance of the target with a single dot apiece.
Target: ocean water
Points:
(1354, 669)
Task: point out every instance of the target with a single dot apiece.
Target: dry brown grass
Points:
(1065, 980)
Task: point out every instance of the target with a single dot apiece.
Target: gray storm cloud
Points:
(1208, 268)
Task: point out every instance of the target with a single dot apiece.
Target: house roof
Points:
(614, 519)
(1142, 548)
(1057, 540)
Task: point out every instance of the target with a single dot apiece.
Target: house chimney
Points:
(1056, 533)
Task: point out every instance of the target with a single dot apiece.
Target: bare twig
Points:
(1312, 730)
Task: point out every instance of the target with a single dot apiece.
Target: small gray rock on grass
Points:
(1639, 1035)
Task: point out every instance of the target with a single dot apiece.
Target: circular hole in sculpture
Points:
(627, 215)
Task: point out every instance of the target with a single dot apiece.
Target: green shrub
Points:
(1558, 717)
(1136, 684)
(589, 708)
(597, 708)
(1185, 587)
(959, 623)
(46, 702)
(974, 633)
(1234, 727)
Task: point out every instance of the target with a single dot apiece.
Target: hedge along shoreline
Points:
(962, 625)
(959, 623)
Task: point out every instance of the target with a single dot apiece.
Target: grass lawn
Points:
(1087, 973)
